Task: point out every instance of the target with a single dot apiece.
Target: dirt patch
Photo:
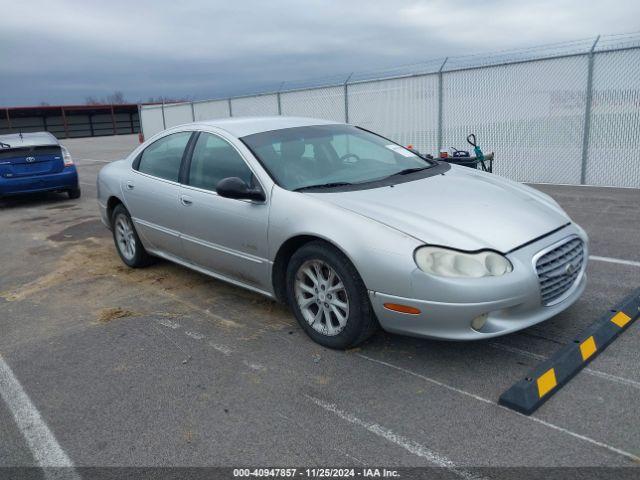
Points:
(91, 270)
(92, 265)
(107, 314)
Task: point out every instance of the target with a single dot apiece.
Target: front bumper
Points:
(64, 180)
(511, 303)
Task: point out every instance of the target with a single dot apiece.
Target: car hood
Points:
(463, 208)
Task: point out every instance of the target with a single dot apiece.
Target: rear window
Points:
(6, 153)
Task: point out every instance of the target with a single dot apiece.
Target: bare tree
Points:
(93, 101)
(116, 98)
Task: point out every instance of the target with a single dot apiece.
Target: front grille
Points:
(559, 269)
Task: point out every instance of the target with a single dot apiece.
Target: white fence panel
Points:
(531, 114)
(530, 107)
(259, 105)
(177, 114)
(326, 103)
(151, 120)
(210, 110)
(614, 140)
(404, 110)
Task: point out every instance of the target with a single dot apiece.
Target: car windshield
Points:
(325, 156)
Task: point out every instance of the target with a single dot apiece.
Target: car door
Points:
(223, 235)
(152, 193)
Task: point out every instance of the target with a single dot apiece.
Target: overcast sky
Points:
(66, 50)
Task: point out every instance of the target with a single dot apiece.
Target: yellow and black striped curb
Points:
(547, 378)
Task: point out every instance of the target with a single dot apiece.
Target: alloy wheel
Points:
(322, 297)
(125, 237)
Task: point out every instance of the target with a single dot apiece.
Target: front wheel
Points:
(328, 297)
(128, 244)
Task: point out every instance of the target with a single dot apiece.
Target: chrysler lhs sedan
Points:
(348, 228)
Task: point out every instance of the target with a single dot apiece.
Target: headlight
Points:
(451, 263)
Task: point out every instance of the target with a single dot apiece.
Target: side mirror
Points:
(234, 187)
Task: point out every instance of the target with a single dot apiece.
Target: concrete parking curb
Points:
(548, 377)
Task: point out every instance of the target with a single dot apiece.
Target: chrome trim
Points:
(553, 246)
(160, 179)
(210, 273)
(156, 227)
(220, 248)
(204, 243)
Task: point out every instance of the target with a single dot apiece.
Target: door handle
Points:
(186, 200)
(130, 186)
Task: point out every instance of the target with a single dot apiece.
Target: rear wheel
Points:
(328, 297)
(74, 193)
(128, 244)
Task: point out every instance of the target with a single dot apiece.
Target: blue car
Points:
(36, 162)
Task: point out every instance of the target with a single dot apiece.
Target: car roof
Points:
(29, 139)
(243, 126)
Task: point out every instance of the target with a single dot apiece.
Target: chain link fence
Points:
(567, 113)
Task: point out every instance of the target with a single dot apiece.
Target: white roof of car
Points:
(30, 139)
(242, 126)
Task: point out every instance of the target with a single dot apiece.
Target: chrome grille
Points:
(559, 269)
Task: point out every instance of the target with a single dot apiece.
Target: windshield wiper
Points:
(323, 185)
(4, 145)
(408, 170)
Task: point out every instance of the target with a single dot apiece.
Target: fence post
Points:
(278, 97)
(440, 105)
(193, 113)
(113, 120)
(230, 110)
(64, 122)
(164, 121)
(587, 114)
(346, 98)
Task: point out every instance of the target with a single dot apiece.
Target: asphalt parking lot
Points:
(164, 366)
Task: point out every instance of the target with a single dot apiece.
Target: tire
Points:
(307, 301)
(74, 193)
(131, 251)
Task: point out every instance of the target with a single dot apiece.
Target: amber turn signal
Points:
(401, 308)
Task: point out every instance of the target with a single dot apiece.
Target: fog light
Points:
(478, 322)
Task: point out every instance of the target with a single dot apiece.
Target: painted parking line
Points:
(399, 440)
(619, 261)
(595, 373)
(479, 398)
(94, 160)
(46, 450)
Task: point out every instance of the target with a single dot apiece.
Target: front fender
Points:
(382, 255)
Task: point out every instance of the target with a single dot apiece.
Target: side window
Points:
(163, 157)
(214, 159)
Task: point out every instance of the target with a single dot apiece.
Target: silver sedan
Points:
(350, 229)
